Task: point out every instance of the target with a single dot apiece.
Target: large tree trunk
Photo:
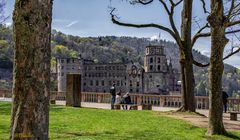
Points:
(218, 42)
(188, 84)
(32, 35)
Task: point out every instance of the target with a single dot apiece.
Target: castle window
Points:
(131, 90)
(137, 84)
(118, 83)
(137, 90)
(150, 76)
(159, 60)
(62, 60)
(151, 60)
(73, 61)
(158, 67)
(110, 83)
(102, 82)
(151, 67)
(68, 60)
(113, 67)
(91, 82)
(62, 74)
(62, 67)
(84, 84)
(97, 83)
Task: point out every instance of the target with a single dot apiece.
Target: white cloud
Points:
(8, 24)
(155, 37)
(71, 23)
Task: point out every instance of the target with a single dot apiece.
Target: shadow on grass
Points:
(233, 136)
(55, 108)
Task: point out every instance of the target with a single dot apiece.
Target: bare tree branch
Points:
(199, 35)
(230, 10)
(144, 2)
(231, 54)
(142, 25)
(233, 23)
(200, 64)
(165, 6)
(204, 7)
(170, 15)
(176, 4)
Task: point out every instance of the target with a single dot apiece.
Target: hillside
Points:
(113, 49)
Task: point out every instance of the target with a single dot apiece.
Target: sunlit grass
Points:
(67, 123)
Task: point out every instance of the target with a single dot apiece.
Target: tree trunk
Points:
(218, 42)
(32, 36)
(188, 84)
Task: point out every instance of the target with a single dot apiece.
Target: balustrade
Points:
(202, 102)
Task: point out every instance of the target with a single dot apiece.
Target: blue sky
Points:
(91, 18)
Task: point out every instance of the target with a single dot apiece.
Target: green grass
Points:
(67, 123)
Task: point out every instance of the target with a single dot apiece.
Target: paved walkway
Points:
(5, 99)
(202, 121)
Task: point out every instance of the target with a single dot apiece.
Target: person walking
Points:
(113, 94)
(225, 100)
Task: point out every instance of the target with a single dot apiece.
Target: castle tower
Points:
(155, 60)
(156, 70)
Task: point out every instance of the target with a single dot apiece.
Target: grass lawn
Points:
(67, 123)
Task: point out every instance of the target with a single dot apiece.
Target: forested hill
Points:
(116, 49)
(109, 49)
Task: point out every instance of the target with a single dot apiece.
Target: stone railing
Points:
(202, 102)
(234, 104)
(5, 93)
(155, 100)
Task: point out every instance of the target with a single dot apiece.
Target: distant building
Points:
(156, 76)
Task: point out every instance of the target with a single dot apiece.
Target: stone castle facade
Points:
(156, 76)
